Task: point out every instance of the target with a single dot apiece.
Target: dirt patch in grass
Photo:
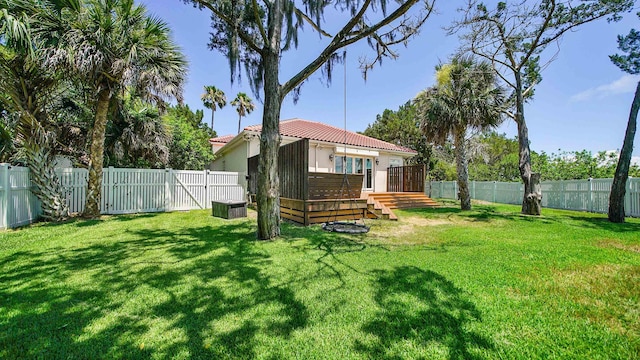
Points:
(406, 231)
(252, 214)
(420, 221)
(606, 294)
(616, 244)
(391, 232)
(481, 202)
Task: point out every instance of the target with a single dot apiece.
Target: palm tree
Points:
(466, 97)
(138, 136)
(109, 45)
(244, 106)
(214, 99)
(27, 93)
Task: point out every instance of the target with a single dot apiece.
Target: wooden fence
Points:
(324, 186)
(293, 170)
(311, 197)
(406, 178)
(328, 199)
(583, 195)
(124, 191)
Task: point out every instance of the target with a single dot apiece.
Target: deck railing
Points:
(406, 178)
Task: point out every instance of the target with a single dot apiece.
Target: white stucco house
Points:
(329, 151)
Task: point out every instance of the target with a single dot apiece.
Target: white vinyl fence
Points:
(584, 195)
(124, 191)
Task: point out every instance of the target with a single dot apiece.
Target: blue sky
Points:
(582, 103)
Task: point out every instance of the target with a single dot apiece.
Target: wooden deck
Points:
(383, 204)
(315, 197)
(311, 197)
(308, 212)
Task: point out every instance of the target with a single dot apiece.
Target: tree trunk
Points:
(619, 186)
(531, 199)
(268, 194)
(48, 188)
(240, 120)
(36, 147)
(94, 186)
(212, 112)
(428, 172)
(534, 198)
(463, 171)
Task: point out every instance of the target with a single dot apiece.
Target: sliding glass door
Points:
(356, 165)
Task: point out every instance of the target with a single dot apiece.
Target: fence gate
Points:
(406, 178)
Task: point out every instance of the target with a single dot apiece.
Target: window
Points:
(359, 165)
(339, 165)
(351, 164)
(368, 179)
(395, 162)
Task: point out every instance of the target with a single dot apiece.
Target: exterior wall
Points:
(385, 160)
(254, 146)
(217, 146)
(319, 158)
(319, 162)
(380, 179)
(216, 165)
(234, 160)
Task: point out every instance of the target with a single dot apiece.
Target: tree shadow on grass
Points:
(328, 246)
(77, 221)
(632, 225)
(424, 311)
(196, 292)
(479, 213)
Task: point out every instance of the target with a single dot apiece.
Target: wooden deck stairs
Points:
(381, 205)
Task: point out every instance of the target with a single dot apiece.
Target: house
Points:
(328, 147)
(313, 160)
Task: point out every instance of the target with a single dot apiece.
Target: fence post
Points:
(495, 190)
(455, 190)
(473, 189)
(6, 189)
(627, 197)
(167, 189)
(107, 179)
(562, 194)
(206, 189)
(590, 194)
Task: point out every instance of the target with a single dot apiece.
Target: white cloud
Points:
(635, 160)
(625, 84)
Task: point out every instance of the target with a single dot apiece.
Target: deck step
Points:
(402, 200)
(381, 205)
(377, 210)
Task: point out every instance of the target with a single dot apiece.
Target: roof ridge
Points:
(316, 130)
(290, 120)
(329, 125)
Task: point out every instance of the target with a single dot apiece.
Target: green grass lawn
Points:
(437, 284)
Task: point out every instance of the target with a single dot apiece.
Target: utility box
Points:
(229, 209)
